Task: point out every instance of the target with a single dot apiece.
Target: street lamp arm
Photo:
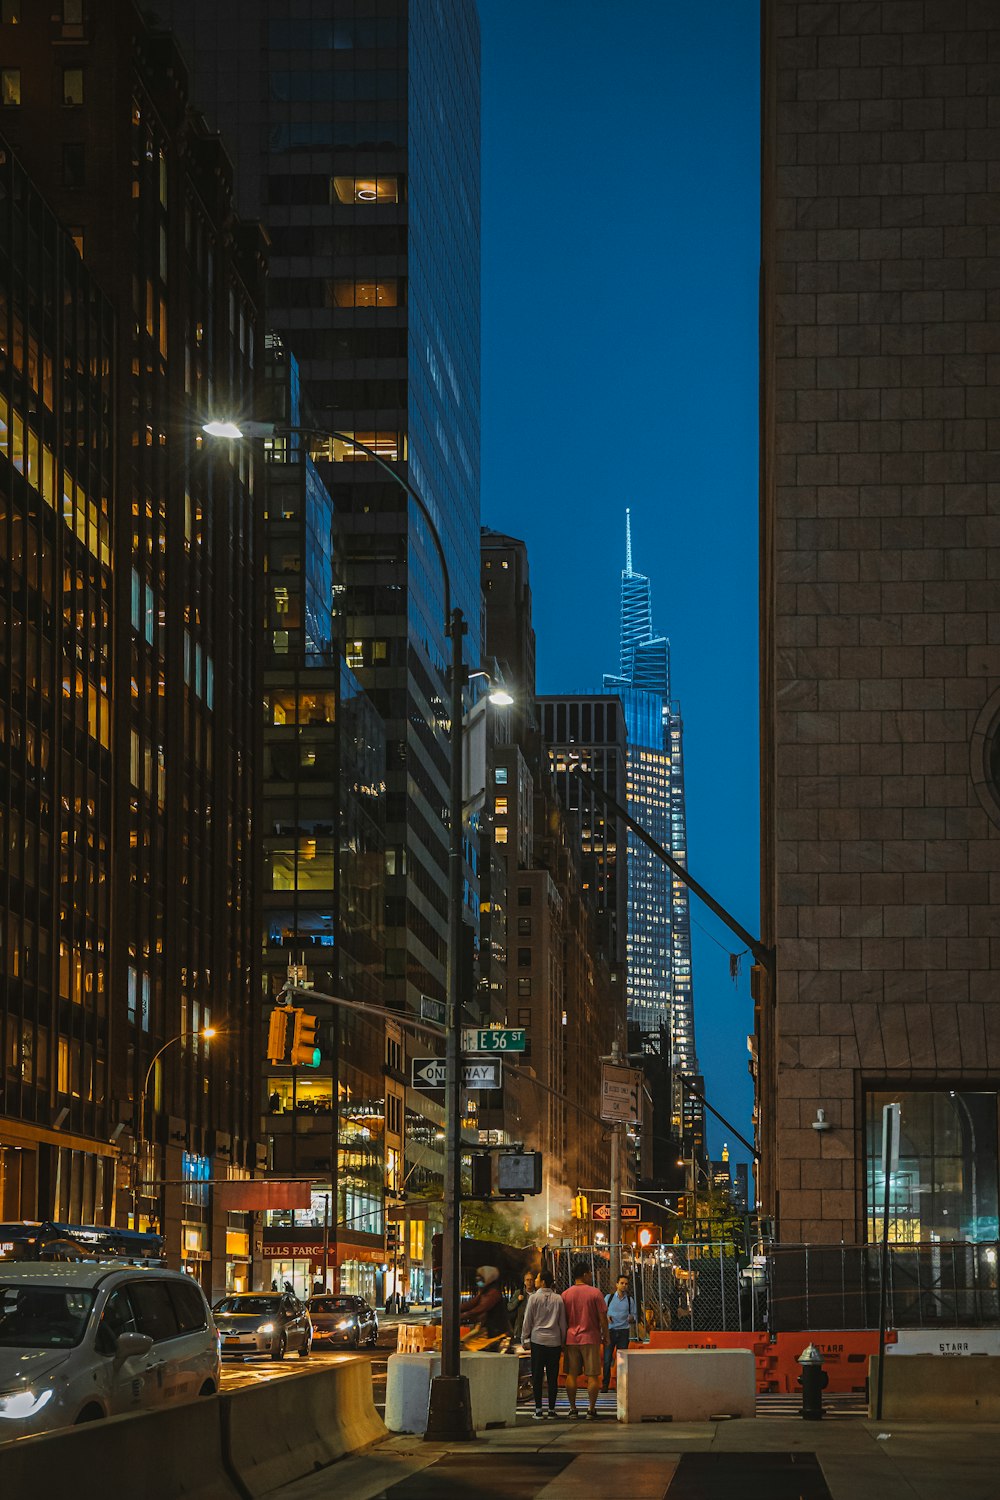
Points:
(274, 430)
(762, 954)
(185, 1036)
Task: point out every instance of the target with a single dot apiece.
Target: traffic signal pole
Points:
(615, 1224)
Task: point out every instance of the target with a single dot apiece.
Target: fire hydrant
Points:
(813, 1381)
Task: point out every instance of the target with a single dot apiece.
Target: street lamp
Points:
(206, 1034)
(450, 1413)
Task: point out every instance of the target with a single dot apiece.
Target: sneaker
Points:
(548, 1415)
(574, 1414)
(538, 1415)
(590, 1415)
(605, 1388)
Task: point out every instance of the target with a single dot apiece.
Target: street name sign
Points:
(430, 1073)
(433, 1010)
(621, 1094)
(602, 1212)
(493, 1039)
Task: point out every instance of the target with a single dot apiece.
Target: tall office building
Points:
(98, 114)
(660, 992)
(323, 863)
(356, 132)
(880, 662)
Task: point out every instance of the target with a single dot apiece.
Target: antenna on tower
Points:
(628, 540)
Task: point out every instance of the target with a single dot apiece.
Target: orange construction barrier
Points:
(845, 1351)
(845, 1354)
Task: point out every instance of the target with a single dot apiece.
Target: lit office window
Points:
(363, 190)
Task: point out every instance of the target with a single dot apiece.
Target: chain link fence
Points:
(698, 1287)
(938, 1285)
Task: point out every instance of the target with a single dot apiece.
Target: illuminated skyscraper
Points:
(659, 989)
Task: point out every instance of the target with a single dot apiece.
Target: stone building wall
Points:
(881, 576)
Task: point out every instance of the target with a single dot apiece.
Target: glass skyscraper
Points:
(659, 987)
(355, 132)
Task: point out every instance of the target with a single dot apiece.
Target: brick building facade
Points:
(881, 633)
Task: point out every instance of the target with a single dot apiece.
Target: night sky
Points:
(620, 259)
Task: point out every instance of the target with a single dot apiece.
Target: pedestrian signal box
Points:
(305, 1053)
(277, 1035)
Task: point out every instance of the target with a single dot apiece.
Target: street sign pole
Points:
(890, 1162)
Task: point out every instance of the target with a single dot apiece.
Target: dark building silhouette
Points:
(104, 128)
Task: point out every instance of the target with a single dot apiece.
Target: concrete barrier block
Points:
(281, 1430)
(492, 1389)
(926, 1388)
(173, 1453)
(687, 1385)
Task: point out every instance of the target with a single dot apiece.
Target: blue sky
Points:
(620, 258)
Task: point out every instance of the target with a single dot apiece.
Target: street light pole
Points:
(185, 1036)
(450, 1411)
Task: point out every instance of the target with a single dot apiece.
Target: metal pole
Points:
(890, 1152)
(326, 1239)
(615, 1222)
(449, 1414)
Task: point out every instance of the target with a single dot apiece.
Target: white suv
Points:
(82, 1341)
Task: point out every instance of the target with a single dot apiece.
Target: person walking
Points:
(519, 1302)
(621, 1318)
(543, 1329)
(586, 1331)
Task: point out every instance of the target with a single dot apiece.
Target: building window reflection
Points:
(363, 190)
(946, 1184)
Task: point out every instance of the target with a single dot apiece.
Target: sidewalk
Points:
(774, 1459)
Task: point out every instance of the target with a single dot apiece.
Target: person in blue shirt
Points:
(621, 1313)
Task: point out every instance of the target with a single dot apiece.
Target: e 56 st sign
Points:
(493, 1039)
(430, 1073)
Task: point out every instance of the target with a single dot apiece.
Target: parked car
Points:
(86, 1340)
(343, 1320)
(271, 1323)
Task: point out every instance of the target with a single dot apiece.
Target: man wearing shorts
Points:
(586, 1331)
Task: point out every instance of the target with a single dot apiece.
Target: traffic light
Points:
(391, 1235)
(305, 1053)
(277, 1035)
(579, 1206)
(682, 1205)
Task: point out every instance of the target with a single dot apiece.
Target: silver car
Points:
(271, 1323)
(86, 1340)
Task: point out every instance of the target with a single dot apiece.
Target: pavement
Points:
(776, 1457)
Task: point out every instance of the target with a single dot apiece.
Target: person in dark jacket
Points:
(488, 1307)
(519, 1301)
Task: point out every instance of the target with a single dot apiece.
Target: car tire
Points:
(89, 1414)
(208, 1389)
(374, 1338)
(279, 1353)
(306, 1349)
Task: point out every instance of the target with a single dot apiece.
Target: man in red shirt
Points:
(586, 1331)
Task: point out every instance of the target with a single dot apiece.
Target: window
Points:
(945, 1187)
(10, 12)
(10, 85)
(500, 834)
(154, 1311)
(189, 1305)
(523, 1016)
(116, 1319)
(363, 293)
(73, 164)
(524, 993)
(72, 86)
(524, 926)
(500, 774)
(72, 12)
(364, 190)
(390, 445)
(500, 806)
(524, 895)
(524, 958)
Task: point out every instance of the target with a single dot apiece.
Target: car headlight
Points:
(23, 1403)
(265, 1328)
(346, 1323)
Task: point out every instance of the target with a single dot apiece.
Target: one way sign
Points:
(429, 1073)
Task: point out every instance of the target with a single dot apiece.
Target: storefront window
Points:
(946, 1184)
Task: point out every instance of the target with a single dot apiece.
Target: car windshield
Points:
(42, 1317)
(253, 1307)
(332, 1304)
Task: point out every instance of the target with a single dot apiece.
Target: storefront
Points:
(298, 1256)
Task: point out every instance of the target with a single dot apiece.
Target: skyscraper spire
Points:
(628, 540)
